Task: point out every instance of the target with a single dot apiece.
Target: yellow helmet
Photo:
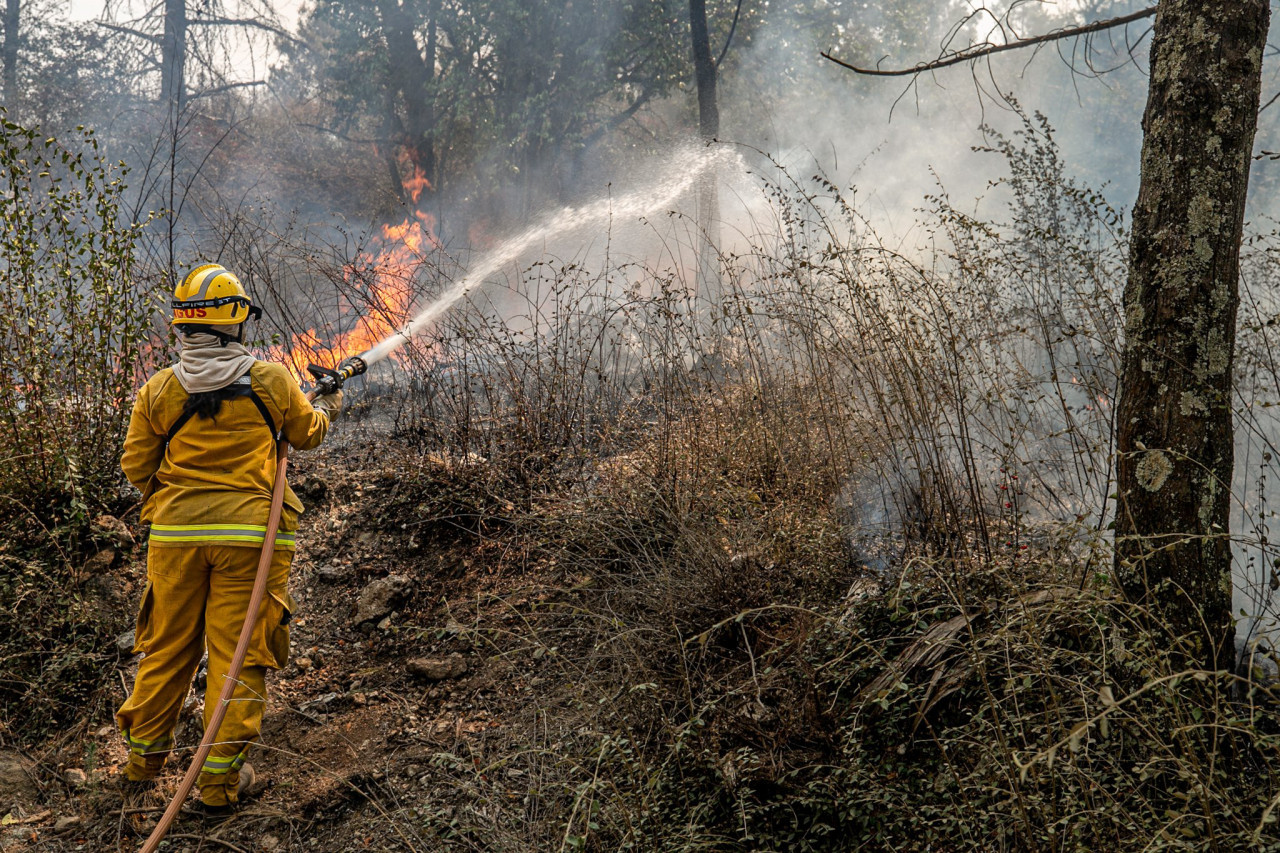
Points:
(211, 295)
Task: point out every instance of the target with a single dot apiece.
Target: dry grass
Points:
(824, 567)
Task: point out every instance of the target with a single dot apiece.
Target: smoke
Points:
(260, 177)
(898, 140)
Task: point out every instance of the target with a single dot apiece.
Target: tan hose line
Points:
(242, 649)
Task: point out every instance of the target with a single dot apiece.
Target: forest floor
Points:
(679, 646)
(377, 727)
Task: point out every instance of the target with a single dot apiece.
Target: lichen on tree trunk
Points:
(1174, 430)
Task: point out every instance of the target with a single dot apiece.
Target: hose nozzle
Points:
(329, 381)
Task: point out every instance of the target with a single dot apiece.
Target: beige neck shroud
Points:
(207, 365)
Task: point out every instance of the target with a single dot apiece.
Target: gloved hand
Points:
(330, 404)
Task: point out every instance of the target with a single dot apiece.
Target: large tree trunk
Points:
(412, 75)
(173, 56)
(1175, 451)
(704, 71)
(10, 51)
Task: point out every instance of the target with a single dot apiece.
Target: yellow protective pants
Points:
(196, 598)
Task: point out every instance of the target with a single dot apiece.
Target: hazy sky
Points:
(247, 53)
(88, 10)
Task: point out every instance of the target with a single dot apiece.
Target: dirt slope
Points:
(361, 749)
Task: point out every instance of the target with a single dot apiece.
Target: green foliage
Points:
(75, 332)
(76, 328)
(66, 71)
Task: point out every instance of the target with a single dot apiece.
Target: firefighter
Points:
(201, 446)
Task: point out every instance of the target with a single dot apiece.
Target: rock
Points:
(104, 584)
(380, 597)
(75, 777)
(312, 489)
(438, 669)
(107, 731)
(113, 529)
(201, 679)
(319, 705)
(17, 780)
(100, 562)
(65, 823)
(330, 574)
(124, 643)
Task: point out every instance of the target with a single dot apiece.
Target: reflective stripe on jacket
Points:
(213, 485)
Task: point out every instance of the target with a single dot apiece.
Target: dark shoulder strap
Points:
(266, 413)
(241, 387)
(247, 383)
(177, 425)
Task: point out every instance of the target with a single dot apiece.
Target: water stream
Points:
(676, 180)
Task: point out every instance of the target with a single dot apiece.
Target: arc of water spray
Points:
(685, 169)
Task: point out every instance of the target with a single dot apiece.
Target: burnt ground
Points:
(358, 752)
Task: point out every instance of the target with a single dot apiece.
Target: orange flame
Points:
(383, 278)
(414, 186)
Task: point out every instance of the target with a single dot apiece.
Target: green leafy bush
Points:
(76, 332)
(76, 327)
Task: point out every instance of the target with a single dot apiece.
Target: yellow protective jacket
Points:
(212, 485)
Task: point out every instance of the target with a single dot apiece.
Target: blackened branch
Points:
(980, 51)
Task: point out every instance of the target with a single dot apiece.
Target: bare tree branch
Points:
(130, 32)
(243, 22)
(729, 39)
(344, 136)
(986, 50)
(226, 87)
(617, 120)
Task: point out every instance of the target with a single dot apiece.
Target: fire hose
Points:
(327, 382)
